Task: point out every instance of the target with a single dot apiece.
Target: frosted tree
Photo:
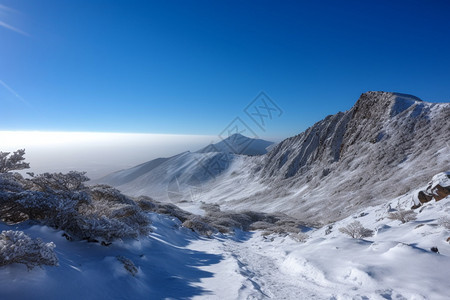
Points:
(17, 247)
(70, 182)
(444, 222)
(403, 215)
(14, 161)
(356, 230)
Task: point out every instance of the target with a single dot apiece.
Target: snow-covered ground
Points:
(396, 263)
(175, 263)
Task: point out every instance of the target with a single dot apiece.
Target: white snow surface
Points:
(175, 263)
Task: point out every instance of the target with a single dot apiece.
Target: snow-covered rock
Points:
(437, 189)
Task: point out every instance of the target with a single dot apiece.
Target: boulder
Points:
(437, 189)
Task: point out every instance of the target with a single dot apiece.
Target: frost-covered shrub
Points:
(63, 201)
(299, 237)
(107, 220)
(14, 161)
(106, 193)
(356, 230)
(17, 247)
(128, 265)
(10, 210)
(329, 229)
(403, 215)
(246, 220)
(101, 229)
(216, 220)
(210, 207)
(198, 225)
(283, 230)
(52, 182)
(444, 222)
(229, 220)
(148, 204)
(260, 225)
(11, 182)
(55, 208)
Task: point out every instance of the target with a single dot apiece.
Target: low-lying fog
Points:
(97, 153)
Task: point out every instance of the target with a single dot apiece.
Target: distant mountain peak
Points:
(238, 144)
(234, 135)
(380, 95)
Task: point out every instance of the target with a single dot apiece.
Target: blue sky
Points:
(191, 67)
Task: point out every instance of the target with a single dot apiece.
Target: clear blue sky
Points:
(191, 67)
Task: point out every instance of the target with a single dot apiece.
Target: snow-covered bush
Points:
(109, 219)
(50, 182)
(198, 225)
(14, 161)
(11, 182)
(210, 207)
(17, 247)
(299, 237)
(62, 201)
(444, 222)
(260, 225)
(283, 230)
(229, 220)
(329, 229)
(403, 215)
(128, 265)
(216, 220)
(356, 230)
(106, 193)
(148, 204)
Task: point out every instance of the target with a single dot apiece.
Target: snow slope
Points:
(181, 177)
(175, 263)
(165, 177)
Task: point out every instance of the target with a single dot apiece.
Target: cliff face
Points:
(386, 144)
(380, 123)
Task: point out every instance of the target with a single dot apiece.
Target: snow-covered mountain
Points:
(383, 146)
(239, 144)
(167, 178)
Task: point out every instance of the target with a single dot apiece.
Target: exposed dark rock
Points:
(437, 189)
(424, 197)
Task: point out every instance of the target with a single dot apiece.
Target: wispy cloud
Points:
(7, 26)
(14, 93)
(5, 9)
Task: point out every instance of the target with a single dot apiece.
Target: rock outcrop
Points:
(438, 188)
